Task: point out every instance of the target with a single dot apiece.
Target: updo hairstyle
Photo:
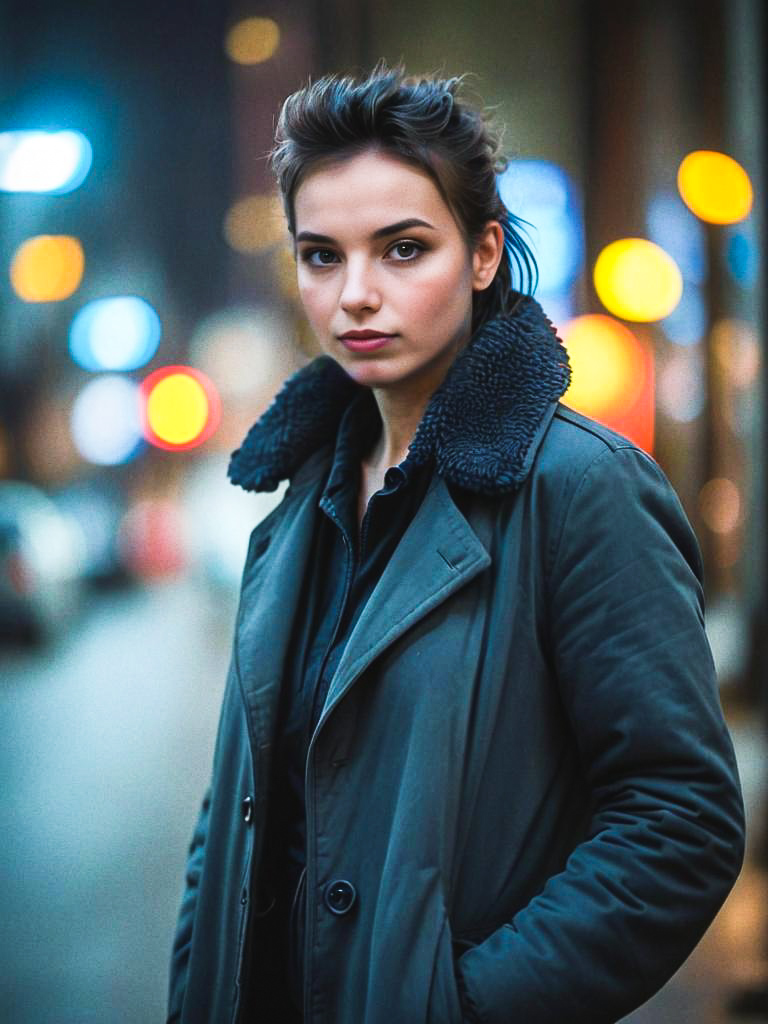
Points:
(423, 121)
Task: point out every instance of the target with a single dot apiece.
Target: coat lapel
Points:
(271, 592)
(438, 553)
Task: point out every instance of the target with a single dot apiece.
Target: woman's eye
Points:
(324, 257)
(406, 250)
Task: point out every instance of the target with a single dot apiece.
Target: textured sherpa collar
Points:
(478, 425)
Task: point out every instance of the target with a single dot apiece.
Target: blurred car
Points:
(40, 565)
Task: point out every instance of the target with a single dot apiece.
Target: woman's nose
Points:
(359, 290)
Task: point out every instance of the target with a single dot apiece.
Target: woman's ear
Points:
(487, 255)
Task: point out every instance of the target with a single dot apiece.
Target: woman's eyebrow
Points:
(390, 229)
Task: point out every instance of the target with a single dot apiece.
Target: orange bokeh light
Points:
(612, 376)
(47, 268)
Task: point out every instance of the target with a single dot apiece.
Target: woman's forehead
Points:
(365, 192)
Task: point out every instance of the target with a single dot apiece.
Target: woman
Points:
(471, 764)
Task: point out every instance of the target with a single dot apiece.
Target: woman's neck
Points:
(400, 418)
(402, 407)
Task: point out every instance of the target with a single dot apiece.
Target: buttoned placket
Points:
(339, 894)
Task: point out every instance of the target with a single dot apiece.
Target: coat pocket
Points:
(443, 1006)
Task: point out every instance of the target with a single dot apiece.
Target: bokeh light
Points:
(637, 280)
(47, 268)
(542, 194)
(252, 40)
(284, 265)
(612, 376)
(681, 385)
(247, 351)
(715, 187)
(737, 351)
(672, 226)
(54, 162)
(254, 223)
(180, 408)
(687, 323)
(150, 538)
(46, 440)
(742, 257)
(105, 423)
(607, 366)
(121, 332)
(720, 505)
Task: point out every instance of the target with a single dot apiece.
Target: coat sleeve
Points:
(665, 841)
(183, 938)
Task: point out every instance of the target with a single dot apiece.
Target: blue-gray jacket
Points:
(521, 771)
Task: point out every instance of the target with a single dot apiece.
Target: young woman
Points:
(471, 764)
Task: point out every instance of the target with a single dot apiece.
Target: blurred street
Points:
(104, 754)
(105, 747)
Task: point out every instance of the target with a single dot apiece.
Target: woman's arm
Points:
(665, 842)
(183, 938)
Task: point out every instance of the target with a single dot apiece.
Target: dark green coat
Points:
(521, 765)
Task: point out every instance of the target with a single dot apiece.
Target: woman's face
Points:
(378, 251)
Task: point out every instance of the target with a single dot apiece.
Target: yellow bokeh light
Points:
(637, 280)
(607, 366)
(715, 187)
(47, 268)
(285, 271)
(252, 40)
(177, 409)
(254, 223)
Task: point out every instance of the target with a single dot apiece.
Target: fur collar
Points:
(478, 425)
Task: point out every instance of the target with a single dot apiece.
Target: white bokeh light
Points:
(106, 421)
(43, 161)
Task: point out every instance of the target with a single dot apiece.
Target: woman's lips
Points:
(366, 344)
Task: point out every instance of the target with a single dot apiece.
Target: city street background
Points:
(149, 314)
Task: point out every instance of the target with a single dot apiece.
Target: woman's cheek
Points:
(441, 290)
(317, 303)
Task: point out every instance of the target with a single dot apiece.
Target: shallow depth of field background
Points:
(148, 314)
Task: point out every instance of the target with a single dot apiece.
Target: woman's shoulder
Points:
(580, 435)
(574, 443)
(582, 464)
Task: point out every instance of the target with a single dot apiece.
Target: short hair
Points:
(423, 121)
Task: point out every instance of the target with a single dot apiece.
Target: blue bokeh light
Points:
(672, 226)
(117, 333)
(542, 194)
(52, 162)
(687, 323)
(742, 257)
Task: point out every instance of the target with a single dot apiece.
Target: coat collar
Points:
(481, 426)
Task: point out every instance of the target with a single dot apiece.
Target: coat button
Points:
(340, 896)
(247, 809)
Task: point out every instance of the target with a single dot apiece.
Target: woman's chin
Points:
(371, 373)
